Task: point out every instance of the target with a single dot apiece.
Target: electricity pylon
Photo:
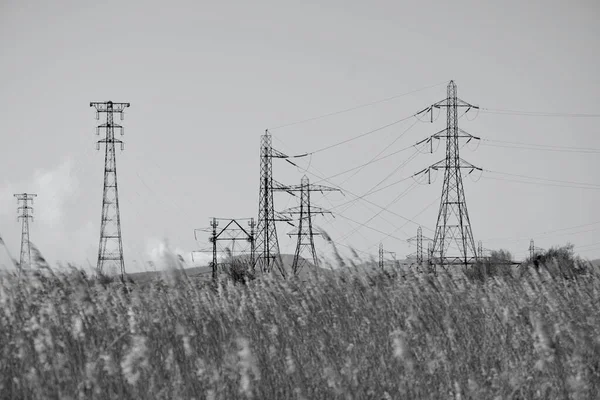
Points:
(419, 240)
(232, 232)
(305, 211)
(25, 213)
(533, 250)
(110, 249)
(453, 226)
(382, 253)
(267, 243)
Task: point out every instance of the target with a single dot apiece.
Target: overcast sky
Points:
(205, 79)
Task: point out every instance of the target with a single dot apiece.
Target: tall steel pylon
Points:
(267, 243)
(453, 242)
(110, 249)
(25, 213)
(305, 212)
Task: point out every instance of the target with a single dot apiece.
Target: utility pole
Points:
(267, 242)
(380, 255)
(453, 226)
(25, 213)
(305, 212)
(110, 249)
(233, 232)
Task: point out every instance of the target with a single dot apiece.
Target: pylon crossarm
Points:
(104, 106)
(459, 103)
(464, 134)
(278, 154)
(280, 217)
(280, 187)
(439, 135)
(321, 188)
(442, 165)
(443, 134)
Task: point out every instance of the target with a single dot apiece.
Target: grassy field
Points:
(522, 335)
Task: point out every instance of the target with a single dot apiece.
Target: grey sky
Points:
(205, 79)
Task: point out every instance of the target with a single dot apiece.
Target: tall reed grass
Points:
(377, 335)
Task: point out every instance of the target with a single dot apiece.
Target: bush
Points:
(560, 261)
(498, 263)
(239, 270)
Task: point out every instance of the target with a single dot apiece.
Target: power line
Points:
(547, 233)
(355, 137)
(537, 113)
(413, 217)
(371, 193)
(396, 199)
(361, 197)
(540, 183)
(343, 190)
(355, 107)
(368, 163)
(583, 184)
(539, 147)
(367, 226)
(588, 245)
(372, 189)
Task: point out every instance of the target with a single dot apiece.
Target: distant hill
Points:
(595, 263)
(205, 272)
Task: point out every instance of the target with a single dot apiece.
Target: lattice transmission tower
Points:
(25, 213)
(533, 250)
(305, 232)
(382, 254)
(419, 254)
(267, 243)
(110, 249)
(232, 232)
(453, 241)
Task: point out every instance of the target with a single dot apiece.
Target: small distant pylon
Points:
(419, 240)
(233, 232)
(533, 250)
(110, 249)
(382, 253)
(25, 213)
(305, 231)
(480, 249)
(453, 225)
